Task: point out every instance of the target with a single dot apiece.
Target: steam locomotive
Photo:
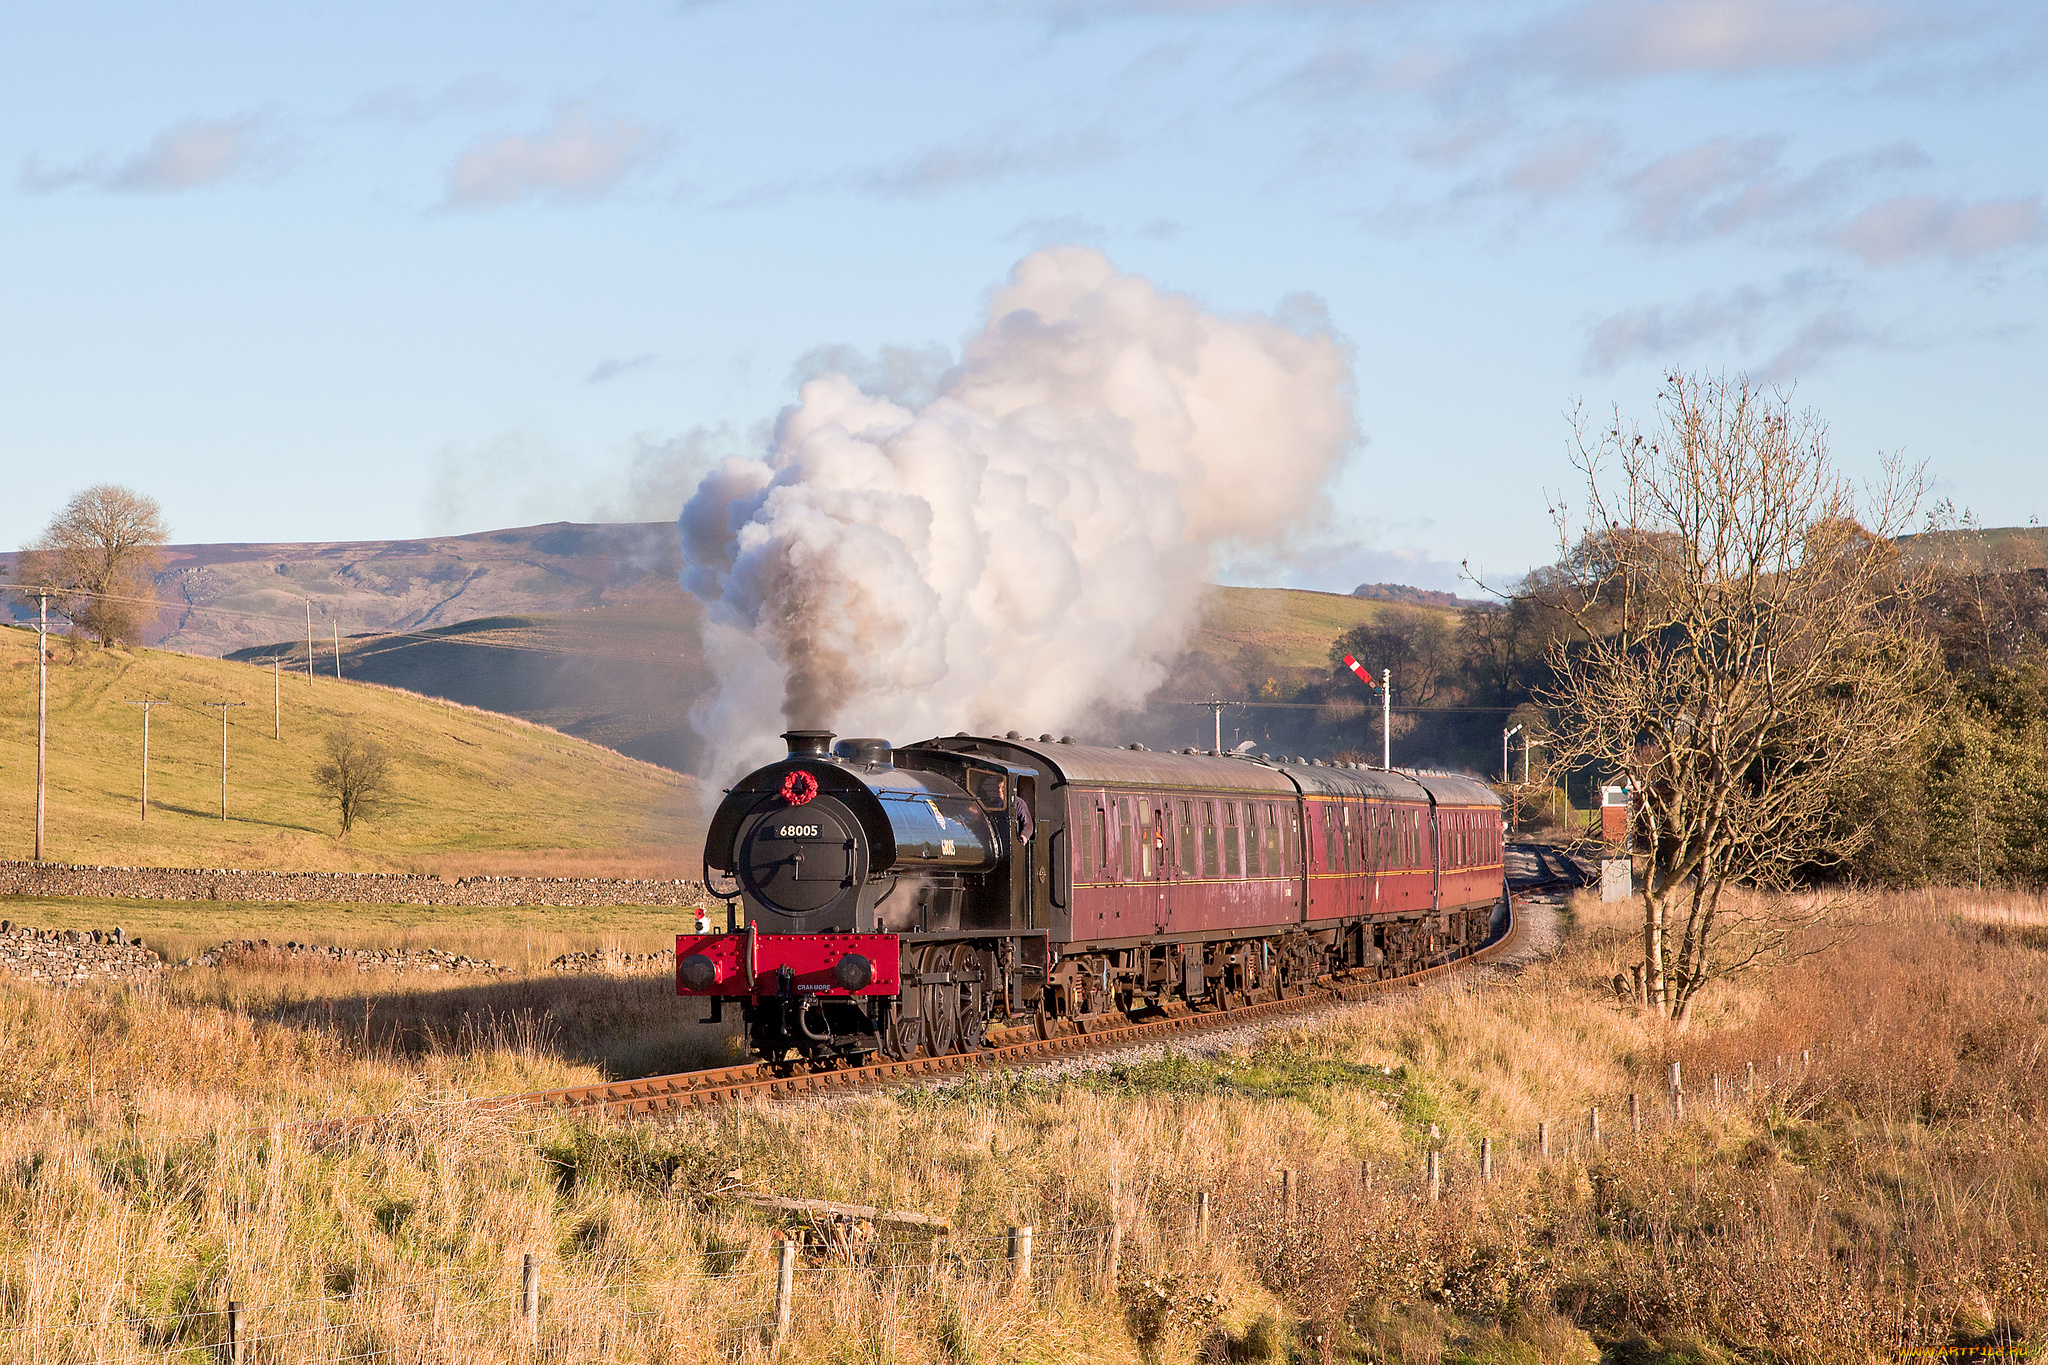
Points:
(930, 899)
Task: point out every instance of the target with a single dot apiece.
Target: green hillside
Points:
(1991, 549)
(476, 792)
(1293, 625)
(622, 676)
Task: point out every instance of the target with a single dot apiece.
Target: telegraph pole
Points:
(1216, 704)
(277, 696)
(42, 709)
(337, 649)
(223, 705)
(309, 641)
(145, 704)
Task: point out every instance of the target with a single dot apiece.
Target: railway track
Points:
(652, 1096)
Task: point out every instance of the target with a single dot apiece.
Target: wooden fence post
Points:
(1287, 1196)
(785, 1288)
(1202, 1218)
(1593, 1115)
(1112, 1256)
(1749, 1078)
(237, 1348)
(529, 1300)
(1543, 1139)
(1486, 1158)
(1717, 1090)
(1436, 1175)
(1020, 1258)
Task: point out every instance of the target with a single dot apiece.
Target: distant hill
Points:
(476, 792)
(1993, 549)
(584, 627)
(221, 598)
(622, 676)
(1416, 597)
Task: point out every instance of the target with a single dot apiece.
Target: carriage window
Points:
(1188, 866)
(1125, 843)
(1233, 865)
(1145, 838)
(1209, 863)
(1101, 864)
(1254, 861)
(1350, 848)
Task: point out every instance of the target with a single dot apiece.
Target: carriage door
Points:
(1149, 870)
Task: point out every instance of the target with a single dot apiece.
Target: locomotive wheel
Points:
(973, 995)
(941, 1006)
(905, 1034)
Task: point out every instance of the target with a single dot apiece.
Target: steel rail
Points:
(687, 1090)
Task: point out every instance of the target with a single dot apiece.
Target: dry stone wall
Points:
(71, 957)
(261, 953)
(377, 888)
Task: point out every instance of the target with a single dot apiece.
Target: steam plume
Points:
(1030, 543)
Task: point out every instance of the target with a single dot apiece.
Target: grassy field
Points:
(1888, 1198)
(1294, 626)
(475, 791)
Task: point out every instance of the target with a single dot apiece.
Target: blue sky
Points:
(381, 270)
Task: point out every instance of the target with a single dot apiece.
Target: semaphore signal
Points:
(1386, 689)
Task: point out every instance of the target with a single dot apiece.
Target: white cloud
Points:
(1628, 39)
(610, 368)
(185, 156)
(996, 156)
(1915, 225)
(1727, 184)
(1559, 162)
(1667, 333)
(579, 157)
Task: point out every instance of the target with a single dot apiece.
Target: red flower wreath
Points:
(799, 787)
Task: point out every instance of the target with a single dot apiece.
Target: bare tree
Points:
(1746, 643)
(96, 560)
(356, 776)
(1418, 647)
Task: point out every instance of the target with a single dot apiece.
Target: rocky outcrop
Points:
(72, 957)
(374, 888)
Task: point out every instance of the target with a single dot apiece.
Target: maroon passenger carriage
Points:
(914, 901)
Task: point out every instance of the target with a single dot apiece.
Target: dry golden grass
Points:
(1892, 1196)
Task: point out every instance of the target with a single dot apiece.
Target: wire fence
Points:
(548, 1308)
(542, 1308)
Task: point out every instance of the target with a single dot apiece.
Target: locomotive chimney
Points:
(809, 743)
